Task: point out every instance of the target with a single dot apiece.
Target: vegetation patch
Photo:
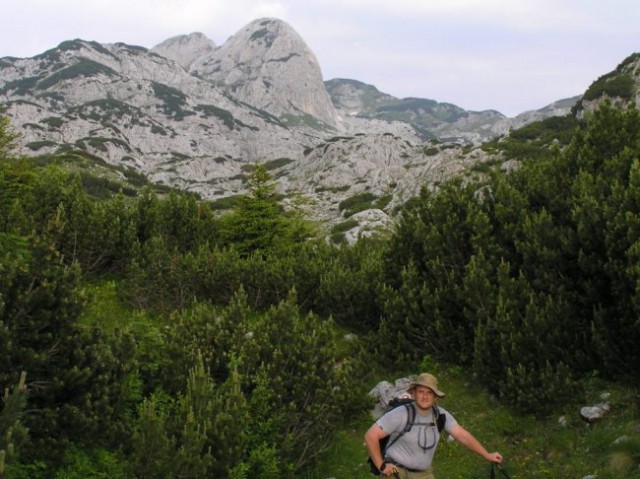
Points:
(304, 119)
(277, 163)
(37, 145)
(104, 109)
(209, 111)
(535, 139)
(135, 177)
(102, 187)
(53, 122)
(344, 226)
(333, 189)
(156, 129)
(430, 151)
(100, 143)
(355, 204)
(21, 86)
(382, 202)
(134, 49)
(614, 84)
(173, 101)
(225, 203)
(53, 96)
(263, 34)
(83, 68)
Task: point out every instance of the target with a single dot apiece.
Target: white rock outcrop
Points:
(269, 66)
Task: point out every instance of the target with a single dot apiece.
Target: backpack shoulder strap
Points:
(440, 418)
(411, 418)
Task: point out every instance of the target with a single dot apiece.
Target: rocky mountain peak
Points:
(269, 66)
(185, 49)
(193, 116)
(620, 86)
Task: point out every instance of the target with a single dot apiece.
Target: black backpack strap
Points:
(439, 417)
(411, 418)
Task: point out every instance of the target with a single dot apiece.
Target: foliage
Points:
(605, 205)
(7, 138)
(97, 463)
(424, 298)
(277, 163)
(536, 140)
(221, 113)
(357, 203)
(615, 84)
(259, 222)
(76, 377)
(199, 434)
(245, 313)
(13, 434)
(344, 226)
(83, 68)
(277, 357)
(481, 272)
(174, 102)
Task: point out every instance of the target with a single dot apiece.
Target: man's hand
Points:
(494, 457)
(389, 470)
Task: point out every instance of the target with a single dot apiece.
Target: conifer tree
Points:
(8, 138)
(605, 209)
(259, 222)
(12, 432)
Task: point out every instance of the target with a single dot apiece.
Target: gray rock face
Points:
(269, 66)
(557, 108)
(429, 118)
(620, 87)
(185, 49)
(192, 115)
(141, 110)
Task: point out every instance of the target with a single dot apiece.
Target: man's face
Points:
(424, 397)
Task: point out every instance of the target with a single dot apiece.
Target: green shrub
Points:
(83, 68)
(357, 203)
(344, 226)
(277, 163)
(614, 84)
(36, 145)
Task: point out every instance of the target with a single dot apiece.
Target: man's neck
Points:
(423, 411)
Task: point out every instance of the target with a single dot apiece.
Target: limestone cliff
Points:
(267, 65)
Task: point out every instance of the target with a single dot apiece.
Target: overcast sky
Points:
(507, 55)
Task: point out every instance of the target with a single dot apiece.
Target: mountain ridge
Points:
(192, 115)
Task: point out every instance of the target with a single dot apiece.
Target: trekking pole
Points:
(495, 465)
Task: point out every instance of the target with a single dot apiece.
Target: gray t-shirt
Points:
(415, 448)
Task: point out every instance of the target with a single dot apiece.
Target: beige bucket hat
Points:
(427, 380)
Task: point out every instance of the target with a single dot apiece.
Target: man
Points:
(409, 454)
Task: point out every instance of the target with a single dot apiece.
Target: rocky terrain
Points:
(194, 115)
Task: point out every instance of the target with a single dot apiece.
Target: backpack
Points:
(407, 403)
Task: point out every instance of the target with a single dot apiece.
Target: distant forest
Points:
(146, 335)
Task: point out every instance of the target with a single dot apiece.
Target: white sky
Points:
(507, 55)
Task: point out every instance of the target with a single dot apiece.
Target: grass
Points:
(347, 457)
(532, 447)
